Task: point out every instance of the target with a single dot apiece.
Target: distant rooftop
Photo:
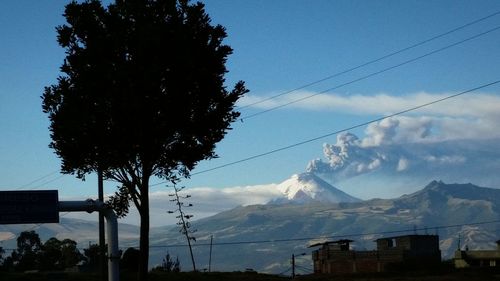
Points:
(341, 241)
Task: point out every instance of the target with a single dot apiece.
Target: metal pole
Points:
(293, 264)
(112, 229)
(114, 255)
(210, 256)
(102, 242)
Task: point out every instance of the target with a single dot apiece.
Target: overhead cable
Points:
(371, 74)
(345, 129)
(373, 61)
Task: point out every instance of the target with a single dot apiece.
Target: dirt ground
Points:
(462, 275)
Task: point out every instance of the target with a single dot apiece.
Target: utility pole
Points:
(293, 264)
(112, 229)
(210, 256)
(102, 242)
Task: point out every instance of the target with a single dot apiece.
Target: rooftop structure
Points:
(336, 256)
(477, 258)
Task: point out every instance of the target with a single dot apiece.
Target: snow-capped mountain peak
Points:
(307, 187)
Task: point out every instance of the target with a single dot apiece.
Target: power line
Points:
(373, 61)
(40, 224)
(37, 180)
(336, 87)
(304, 269)
(338, 131)
(343, 130)
(283, 273)
(371, 74)
(49, 181)
(25, 186)
(348, 83)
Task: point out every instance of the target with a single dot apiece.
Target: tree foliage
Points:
(32, 254)
(2, 252)
(142, 90)
(57, 255)
(91, 257)
(130, 260)
(51, 255)
(141, 94)
(28, 251)
(170, 265)
(70, 255)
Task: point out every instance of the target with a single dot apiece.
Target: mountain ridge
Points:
(432, 209)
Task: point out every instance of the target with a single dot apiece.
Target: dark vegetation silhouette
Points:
(171, 265)
(32, 254)
(141, 94)
(2, 252)
(29, 248)
(130, 260)
(56, 255)
(92, 257)
(168, 265)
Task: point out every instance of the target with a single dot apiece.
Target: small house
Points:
(477, 258)
(336, 257)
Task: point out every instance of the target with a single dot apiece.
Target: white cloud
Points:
(397, 152)
(473, 115)
(442, 141)
(206, 201)
(402, 164)
(472, 104)
(381, 133)
(453, 159)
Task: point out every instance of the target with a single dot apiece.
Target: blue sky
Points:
(278, 46)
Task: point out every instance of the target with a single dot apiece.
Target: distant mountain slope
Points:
(307, 187)
(452, 203)
(278, 230)
(289, 228)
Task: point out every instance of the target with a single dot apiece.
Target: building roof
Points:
(409, 235)
(341, 241)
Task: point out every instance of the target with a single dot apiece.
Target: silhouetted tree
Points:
(169, 265)
(51, 254)
(8, 264)
(142, 94)
(70, 255)
(2, 252)
(91, 256)
(28, 251)
(130, 260)
(56, 254)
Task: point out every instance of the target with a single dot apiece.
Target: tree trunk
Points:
(144, 233)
